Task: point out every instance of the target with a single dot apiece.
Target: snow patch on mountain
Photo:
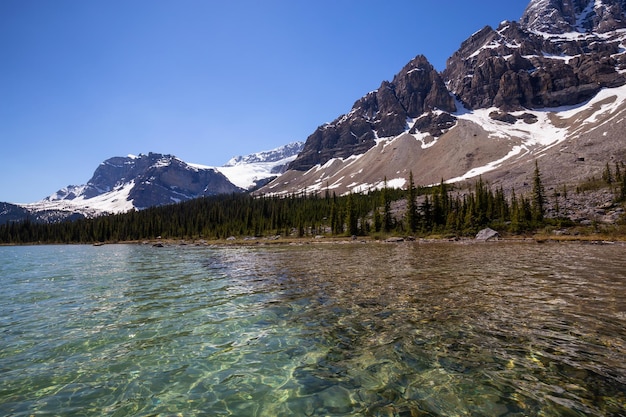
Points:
(247, 171)
(272, 156)
(114, 201)
(532, 134)
(544, 134)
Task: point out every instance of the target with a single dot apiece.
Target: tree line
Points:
(440, 209)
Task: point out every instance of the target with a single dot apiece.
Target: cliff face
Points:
(563, 16)
(417, 89)
(561, 52)
(514, 68)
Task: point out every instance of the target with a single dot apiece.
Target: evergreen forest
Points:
(424, 211)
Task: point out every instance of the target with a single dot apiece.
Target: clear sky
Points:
(82, 81)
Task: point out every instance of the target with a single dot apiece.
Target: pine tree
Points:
(427, 215)
(351, 216)
(471, 222)
(538, 197)
(481, 205)
(411, 205)
(557, 209)
(378, 220)
(618, 172)
(607, 175)
(333, 217)
(501, 209)
(515, 214)
(387, 219)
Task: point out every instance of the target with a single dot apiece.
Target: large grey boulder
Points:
(487, 234)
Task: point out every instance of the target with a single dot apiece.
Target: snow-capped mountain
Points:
(549, 87)
(120, 184)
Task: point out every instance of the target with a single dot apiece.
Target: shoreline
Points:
(539, 238)
(343, 240)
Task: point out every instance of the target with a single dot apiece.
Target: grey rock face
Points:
(416, 89)
(512, 68)
(561, 16)
(171, 180)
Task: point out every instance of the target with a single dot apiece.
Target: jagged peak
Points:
(419, 62)
(563, 16)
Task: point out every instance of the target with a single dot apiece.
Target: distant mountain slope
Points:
(12, 212)
(121, 184)
(549, 86)
(135, 182)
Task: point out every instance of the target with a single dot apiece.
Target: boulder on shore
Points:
(487, 234)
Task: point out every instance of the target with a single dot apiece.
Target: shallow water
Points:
(406, 329)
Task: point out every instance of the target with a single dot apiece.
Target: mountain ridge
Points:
(135, 182)
(549, 88)
(570, 141)
(507, 84)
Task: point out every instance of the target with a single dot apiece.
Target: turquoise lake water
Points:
(443, 329)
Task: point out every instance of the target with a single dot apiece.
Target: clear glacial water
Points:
(373, 329)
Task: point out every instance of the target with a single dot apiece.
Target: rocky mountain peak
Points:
(538, 62)
(147, 180)
(417, 89)
(563, 16)
(420, 88)
(519, 65)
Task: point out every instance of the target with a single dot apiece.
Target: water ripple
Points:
(324, 330)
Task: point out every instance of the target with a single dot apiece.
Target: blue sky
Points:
(82, 81)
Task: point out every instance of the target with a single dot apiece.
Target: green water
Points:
(374, 329)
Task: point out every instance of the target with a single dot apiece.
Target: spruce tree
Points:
(618, 172)
(411, 205)
(387, 219)
(607, 175)
(515, 213)
(351, 216)
(538, 197)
